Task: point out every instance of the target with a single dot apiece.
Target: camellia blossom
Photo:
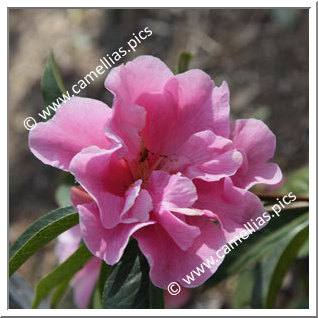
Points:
(164, 165)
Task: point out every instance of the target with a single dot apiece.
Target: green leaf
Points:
(62, 273)
(52, 84)
(128, 284)
(269, 243)
(283, 264)
(270, 268)
(67, 179)
(297, 182)
(59, 293)
(97, 298)
(96, 302)
(244, 288)
(258, 245)
(39, 234)
(156, 296)
(184, 61)
(257, 296)
(304, 250)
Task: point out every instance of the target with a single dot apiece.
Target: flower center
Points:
(149, 161)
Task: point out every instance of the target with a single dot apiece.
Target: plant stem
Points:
(266, 196)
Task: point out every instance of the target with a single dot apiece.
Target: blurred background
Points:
(261, 53)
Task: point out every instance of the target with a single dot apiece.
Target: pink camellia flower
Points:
(163, 165)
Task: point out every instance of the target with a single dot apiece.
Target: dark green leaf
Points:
(184, 61)
(128, 284)
(68, 179)
(52, 85)
(53, 89)
(270, 269)
(283, 264)
(39, 234)
(257, 294)
(157, 296)
(97, 298)
(258, 245)
(62, 273)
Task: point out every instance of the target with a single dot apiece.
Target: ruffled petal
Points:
(105, 178)
(221, 110)
(168, 263)
(125, 126)
(214, 157)
(182, 233)
(138, 204)
(106, 244)
(170, 193)
(145, 74)
(257, 144)
(233, 206)
(191, 92)
(161, 121)
(77, 124)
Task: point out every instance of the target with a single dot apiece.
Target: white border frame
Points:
(312, 163)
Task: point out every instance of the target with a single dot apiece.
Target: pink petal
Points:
(221, 110)
(168, 263)
(125, 126)
(213, 158)
(84, 282)
(257, 144)
(179, 300)
(105, 178)
(171, 191)
(268, 173)
(183, 108)
(233, 206)
(189, 104)
(138, 204)
(161, 123)
(77, 124)
(106, 244)
(182, 234)
(191, 92)
(145, 74)
(67, 243)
